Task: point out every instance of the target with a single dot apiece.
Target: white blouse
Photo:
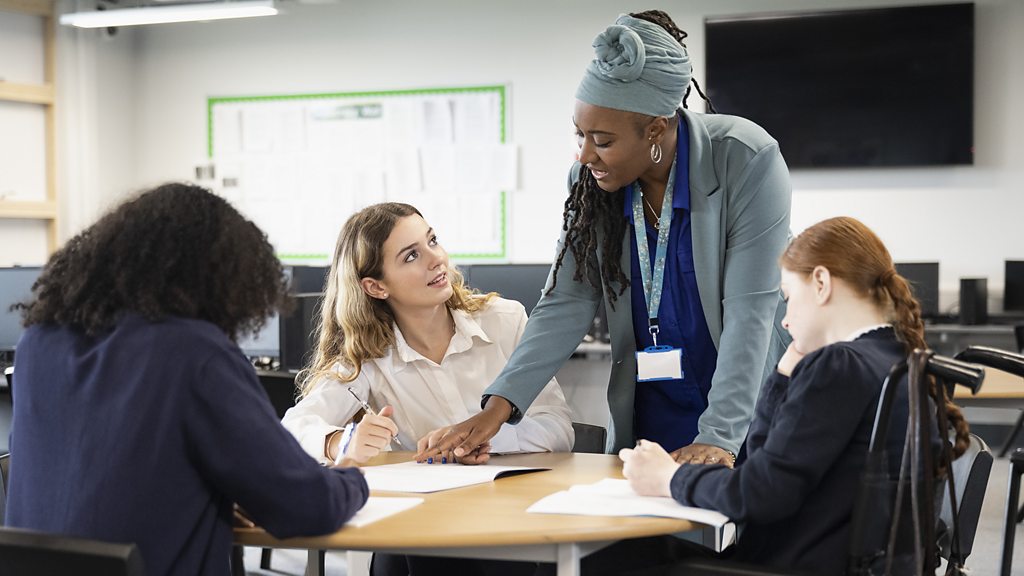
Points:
(427, 395)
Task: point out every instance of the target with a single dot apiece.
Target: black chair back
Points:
(590, 439)
(886, 523)
(970, 478)
(28, 553)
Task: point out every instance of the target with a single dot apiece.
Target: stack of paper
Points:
(377, 508)
(611, 497)
(417, 477)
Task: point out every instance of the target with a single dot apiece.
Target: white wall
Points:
(965, 217)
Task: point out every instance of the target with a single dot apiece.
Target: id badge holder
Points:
(659, 362)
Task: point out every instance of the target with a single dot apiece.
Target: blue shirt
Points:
(149, 434)
(667, 411)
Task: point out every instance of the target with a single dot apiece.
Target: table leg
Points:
(357, 563)
(568, 559)
(315, 560)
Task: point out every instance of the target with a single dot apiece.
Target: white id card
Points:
(659, 363)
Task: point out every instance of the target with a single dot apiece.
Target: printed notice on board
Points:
(299, 167)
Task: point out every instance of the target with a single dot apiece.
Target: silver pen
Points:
(370, 411)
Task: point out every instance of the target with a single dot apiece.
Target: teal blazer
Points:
(740, 202)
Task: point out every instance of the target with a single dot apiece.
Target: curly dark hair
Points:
(175, 250)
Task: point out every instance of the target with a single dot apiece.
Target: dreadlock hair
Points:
(175, 250)
(587, 210)
(662, 19)
(851, 251)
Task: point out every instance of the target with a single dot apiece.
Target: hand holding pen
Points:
(369, 412)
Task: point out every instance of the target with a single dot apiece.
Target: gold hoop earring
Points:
(656, 153)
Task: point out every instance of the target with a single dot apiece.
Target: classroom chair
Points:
(1013, 515)
(1018, 334)
(1014, 364)
(971, 472)
(28, 553)
(590, 439)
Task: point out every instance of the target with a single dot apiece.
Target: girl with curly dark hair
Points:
(136, 417)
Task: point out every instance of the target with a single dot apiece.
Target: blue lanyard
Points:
(653, 285)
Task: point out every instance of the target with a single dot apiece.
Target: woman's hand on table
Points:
(648, 468)
(469, 440)
(704, 454)
(479, 455)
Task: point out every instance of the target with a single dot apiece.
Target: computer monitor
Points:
(521, 282)
(15, 286)
(924, 280)
(1013, 291)
(266, 343)
(308, 279)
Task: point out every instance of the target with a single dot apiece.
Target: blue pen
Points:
(369, 411)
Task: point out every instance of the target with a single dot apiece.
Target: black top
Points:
(148, 434)
(806, 448)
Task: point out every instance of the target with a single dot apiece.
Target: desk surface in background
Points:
(491, 514)
(999, 390)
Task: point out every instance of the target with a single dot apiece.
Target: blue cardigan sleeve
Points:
(805, 437)
(245, 452)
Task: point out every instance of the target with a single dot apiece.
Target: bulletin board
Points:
(300, 165)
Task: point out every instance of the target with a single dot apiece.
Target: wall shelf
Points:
(39, 210)
(28, 93)
(44, 94)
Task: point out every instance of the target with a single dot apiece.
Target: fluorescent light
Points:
(167, 14)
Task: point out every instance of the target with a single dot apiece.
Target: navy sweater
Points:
(149, 434)
(806, 448)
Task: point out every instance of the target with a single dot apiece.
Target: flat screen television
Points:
(873, 87)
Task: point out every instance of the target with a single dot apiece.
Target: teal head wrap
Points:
(638, 67)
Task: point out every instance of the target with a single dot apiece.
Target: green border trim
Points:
(502, 110)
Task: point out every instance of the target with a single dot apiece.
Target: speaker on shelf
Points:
(974, 301)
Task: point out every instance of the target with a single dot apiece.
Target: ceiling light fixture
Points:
(168, 14)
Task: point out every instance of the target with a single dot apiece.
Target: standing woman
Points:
(674, 219)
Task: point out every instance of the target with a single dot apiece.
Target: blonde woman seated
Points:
(401, 329)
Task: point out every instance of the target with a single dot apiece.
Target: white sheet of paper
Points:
(421, 478)
(378, 508)
(613, 497)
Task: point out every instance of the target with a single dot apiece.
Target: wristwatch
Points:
(514, 418)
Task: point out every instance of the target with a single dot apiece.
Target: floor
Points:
(985, 559)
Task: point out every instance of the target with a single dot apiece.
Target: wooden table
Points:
(490, 520)
(999, 390)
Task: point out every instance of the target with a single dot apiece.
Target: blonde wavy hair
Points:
(353, 327)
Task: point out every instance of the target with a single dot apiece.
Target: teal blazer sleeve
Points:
(740, 228)
(559, 322)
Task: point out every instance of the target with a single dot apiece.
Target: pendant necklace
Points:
(654, 213)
